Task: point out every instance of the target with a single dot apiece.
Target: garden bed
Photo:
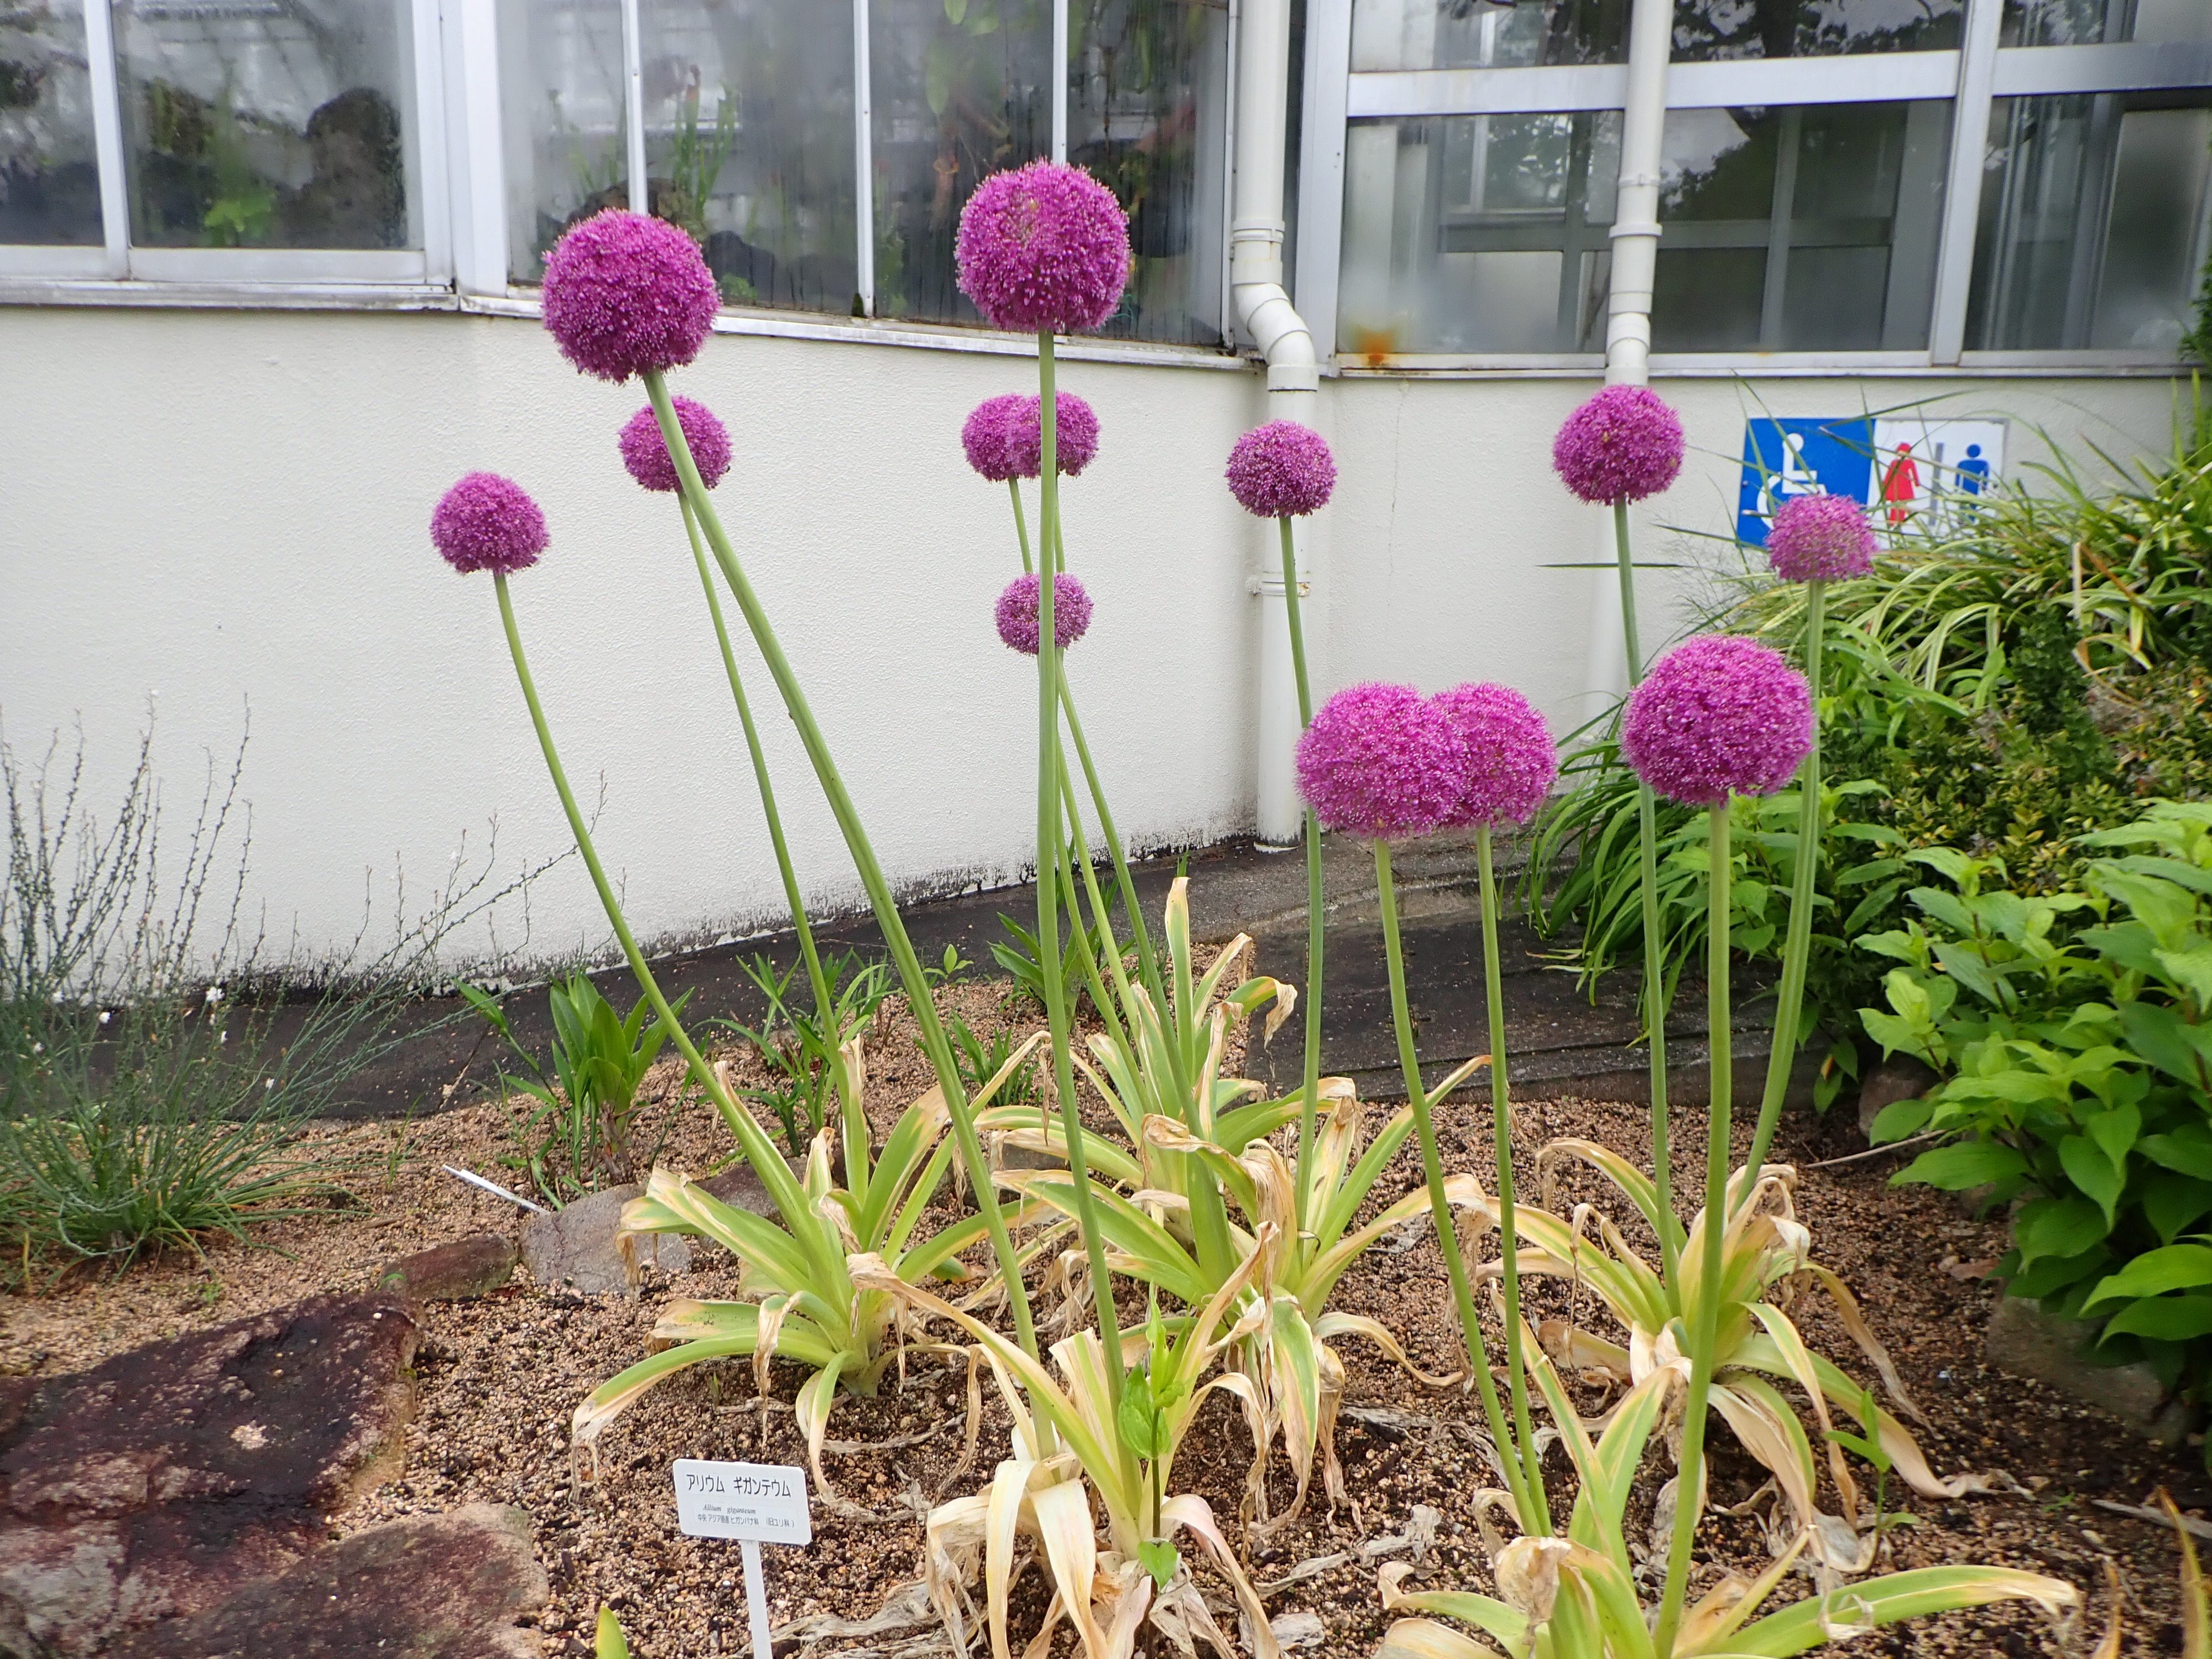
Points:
(499, 1378)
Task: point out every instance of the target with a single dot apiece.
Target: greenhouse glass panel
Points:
(748, 143)
(49, 177)
(1145, 108)
(2103, 22)
(962, 89)
(1711, 30)
(2095, 219)
(261, 124)
(562, 107)
(1425, 35)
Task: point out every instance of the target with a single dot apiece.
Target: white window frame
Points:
(1970, 76)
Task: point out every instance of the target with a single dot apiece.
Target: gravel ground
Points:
(500, 1377)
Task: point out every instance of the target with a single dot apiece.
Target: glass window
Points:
(1799, 230)
(749, 142)
(2094, 221)
(1807, 229)
(2099, 22)
(49, 178)
(963, 89)
(1145, 114)
(1709, 29)
(254, 124)
(561, 99)
(1422, 34)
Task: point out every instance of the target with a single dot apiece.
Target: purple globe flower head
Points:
(1075, 436)
(1719, 714)
(1510, 762)
(1382, 761)
(1282, 471)
(985, 435)
(1018, 612)
(486, 522)
(1821, 538)
(646, 453)
(625, 294)
(1621, 446)
(1043, 247)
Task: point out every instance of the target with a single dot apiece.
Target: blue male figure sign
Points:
(1786, 458)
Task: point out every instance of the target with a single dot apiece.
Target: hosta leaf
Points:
(2088, 1168)
(2168, 1042)
(2170, 1268)
(2164, 1319)
(2187, 1149)
(2057, 1227)
(2171, 1202)
(1964, 1163)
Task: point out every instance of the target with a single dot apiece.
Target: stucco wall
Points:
(215, 509)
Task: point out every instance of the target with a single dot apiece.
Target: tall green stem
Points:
(824, 1004)
(1797, 948)
(1655, 969)
(790, 1197)
(1049, 846)
(1501, 1131)
(1021, 523)
(1310, 1098)
(1534, 1520)
(934, 1042)
(1702, 1309)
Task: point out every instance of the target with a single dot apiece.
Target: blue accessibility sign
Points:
(1786, 458)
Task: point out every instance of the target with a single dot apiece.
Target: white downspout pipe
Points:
(1635, 259)
(1256, 281)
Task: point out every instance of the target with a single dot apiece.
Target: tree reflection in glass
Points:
(49, 180)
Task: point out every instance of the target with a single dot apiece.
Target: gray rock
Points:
(741, 1188)
(1899, 1077)
(577, 1246)
(154, 1486)
(440, 1587)
(2060, 1352)
(457, 1272)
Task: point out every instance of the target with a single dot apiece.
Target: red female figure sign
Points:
(756, 1504)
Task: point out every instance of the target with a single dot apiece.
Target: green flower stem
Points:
(1704, 1311)
(934, 1040)
(1049, 847)
(790, 1197)
(1021, 524)
(1533, 1520)
(1501, 1131)
(1654, 973)
(856, 1123)
(1797, 947)
(1310, 1100)
(1102, 918)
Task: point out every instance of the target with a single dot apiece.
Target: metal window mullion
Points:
(2130, 66)
(641, 192)
(432, 176)
(107, 135)
(864, 165)
(1228, 313)
(1060, 46)
(476, 147)
(1321, 167)
(1962, 190)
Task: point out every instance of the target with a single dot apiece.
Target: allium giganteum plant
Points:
(1230, 1216)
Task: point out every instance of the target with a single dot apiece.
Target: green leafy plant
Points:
(581, 1133)
(980, 1058)
(2079, 1076)
(800, 1046)
(1017, 955)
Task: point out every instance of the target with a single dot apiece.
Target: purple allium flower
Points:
(1381, 760)
(984, 433)
(1018, 612)
(647, 456)
(1821, 538)
(1075, 436)
(625, 294)
(1621, 446)
(1282, 471)
(1716, 715)
(1043, 247)
(1510, 760)
(486, 522)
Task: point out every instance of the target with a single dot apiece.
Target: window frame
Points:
(1970, 76)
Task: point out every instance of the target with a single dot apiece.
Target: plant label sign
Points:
(755, 1503)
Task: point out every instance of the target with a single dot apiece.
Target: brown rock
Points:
(437, 1587)
(153, 1486)
(458, 1272)
(577, 1246)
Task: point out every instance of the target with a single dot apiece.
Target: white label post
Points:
(756, 1504)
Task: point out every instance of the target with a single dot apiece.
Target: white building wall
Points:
(222, 509)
